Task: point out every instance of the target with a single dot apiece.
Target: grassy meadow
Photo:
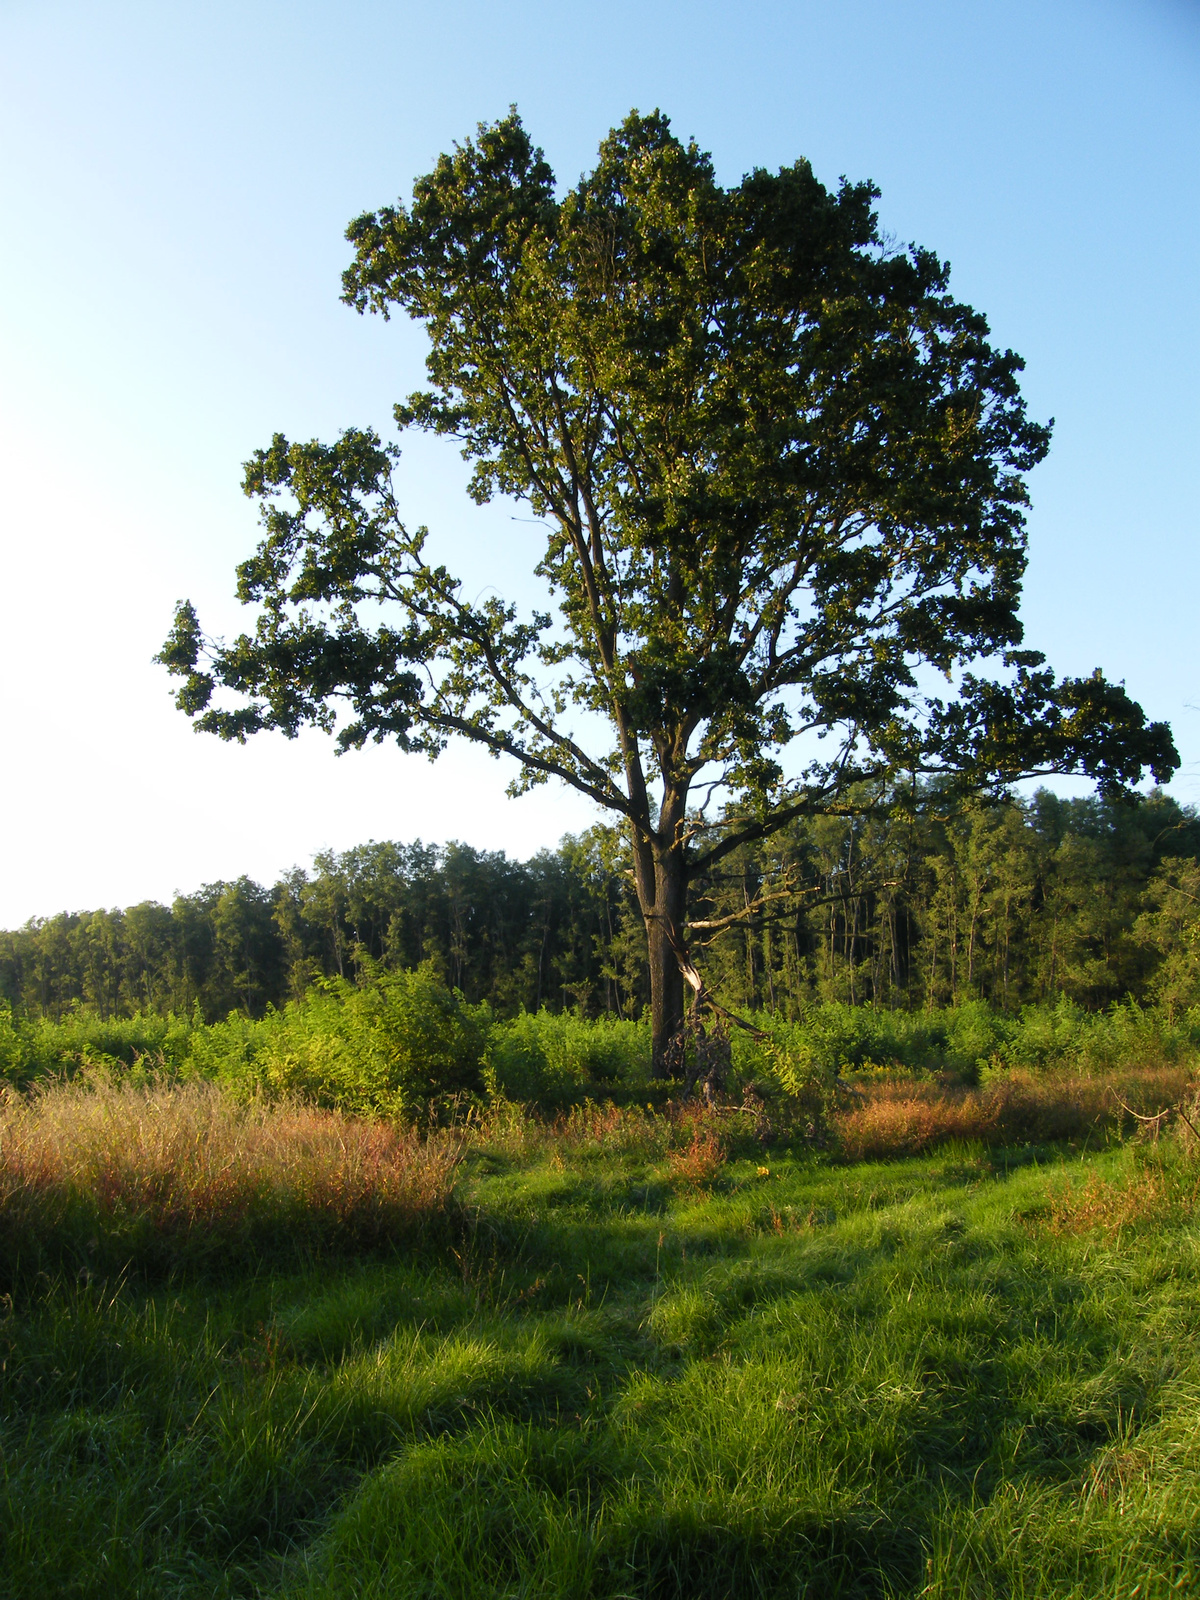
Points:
(936, 1340)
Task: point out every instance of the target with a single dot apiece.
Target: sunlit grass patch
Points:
(416, 1384)
(1154, 1191)
(339, 1315)
(593, 1512)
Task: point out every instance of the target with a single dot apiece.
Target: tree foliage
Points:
(782, 474)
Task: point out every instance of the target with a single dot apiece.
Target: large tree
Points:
(782, 473)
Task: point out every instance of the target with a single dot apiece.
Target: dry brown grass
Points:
(893, 1119)
(1133, 1200)
(909, 1118)
(159, 1175)
(693, 1139)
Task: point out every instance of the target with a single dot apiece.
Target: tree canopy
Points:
(782, 473)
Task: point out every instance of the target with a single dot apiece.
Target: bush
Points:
(29, 1050)
(395, 1041)
(14, 1045)
(833, 1038)
(970, 1041)
(391, 1044)
(1124, 1035)
(228, 1051)
(557, 1061)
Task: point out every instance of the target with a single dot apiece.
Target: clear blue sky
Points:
(174, 186)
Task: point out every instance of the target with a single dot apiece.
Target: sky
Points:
(175, 182)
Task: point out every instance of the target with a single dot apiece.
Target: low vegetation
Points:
(395, 1041)
(902, 1118)
(926, 1338)
(101, 1175)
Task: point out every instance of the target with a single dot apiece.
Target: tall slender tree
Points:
(782, 471)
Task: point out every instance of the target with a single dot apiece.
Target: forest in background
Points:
(1093, 900)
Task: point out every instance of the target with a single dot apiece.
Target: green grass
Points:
(971, 1374)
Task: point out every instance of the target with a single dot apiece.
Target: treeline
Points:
(521, 935)
(1089, 899)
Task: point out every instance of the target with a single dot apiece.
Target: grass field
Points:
(620, 1356)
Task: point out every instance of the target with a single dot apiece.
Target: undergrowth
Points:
(611, 1355)
(395, 1040)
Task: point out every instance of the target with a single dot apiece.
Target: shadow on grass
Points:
(796, 1384)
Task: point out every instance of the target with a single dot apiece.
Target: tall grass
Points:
(907, 1117)
(871, 1118)
(103, 1173)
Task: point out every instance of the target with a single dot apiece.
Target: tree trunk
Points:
(660, 874)
(666, 989)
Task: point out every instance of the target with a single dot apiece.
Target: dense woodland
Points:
(1087, 898)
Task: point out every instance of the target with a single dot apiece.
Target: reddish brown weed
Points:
(695, 1164)
(1155, 1197)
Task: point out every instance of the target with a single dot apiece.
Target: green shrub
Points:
(554, 1061)
(82, 1037)
(396, 1040)
(390, 1044)
(833, 1038)
(228, 1051)
(30, 1050)
(974, 1034)
(14, 1045)
(1063, 1034)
